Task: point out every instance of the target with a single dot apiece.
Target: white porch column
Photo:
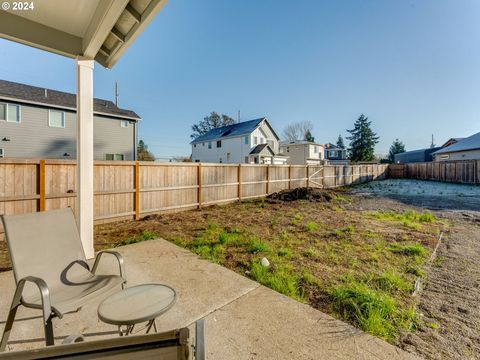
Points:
(85, 154)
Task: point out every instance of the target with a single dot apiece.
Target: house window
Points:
(56, 118)
(209, 144)
(444, 157)
(315, 149)
(261, 140)
(255, 140)
(332, 153)
(203, 144)
(10, 112)
(246, 160)
(229, 156)
(2, 152)
(114, 157)
(194, 145)
(288, 149)
(124, 123)
(245, 140)
(219, 143)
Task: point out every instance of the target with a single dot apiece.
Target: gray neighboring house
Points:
(336, 155)
(415, 156)
(464, 149)
(41, 123)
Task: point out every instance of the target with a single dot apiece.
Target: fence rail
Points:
(465, 171)
(128, 189)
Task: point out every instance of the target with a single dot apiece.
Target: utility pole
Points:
(116, 93)
(432, 145)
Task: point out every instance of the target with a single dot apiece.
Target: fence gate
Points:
(315, 183)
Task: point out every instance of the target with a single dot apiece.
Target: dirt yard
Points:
(448, 310)
(360, 266)
(354, 253)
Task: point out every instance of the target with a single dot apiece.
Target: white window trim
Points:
(124, 122)
(114, 154)
(2, 152)
(49, 118)
(6, 113)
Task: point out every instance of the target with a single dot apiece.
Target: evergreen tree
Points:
(340, 142)
(308, 136)
(142, 152)
(397, 147)
(362, 140)
(210, 122)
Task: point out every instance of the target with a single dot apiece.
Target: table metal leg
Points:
(151, 324)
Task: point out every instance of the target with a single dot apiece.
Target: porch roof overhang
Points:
(100, 30)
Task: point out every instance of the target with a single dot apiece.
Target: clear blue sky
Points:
(412, 66)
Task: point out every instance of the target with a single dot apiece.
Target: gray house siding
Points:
(460, 155)
(34, 138)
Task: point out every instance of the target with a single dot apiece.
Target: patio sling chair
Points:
(50, 268)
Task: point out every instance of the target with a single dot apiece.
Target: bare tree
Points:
(297, 131)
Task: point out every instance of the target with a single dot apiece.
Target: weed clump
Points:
(280, 279)
(371, 310)
(412, 250)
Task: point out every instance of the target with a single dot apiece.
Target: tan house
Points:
(303, 152)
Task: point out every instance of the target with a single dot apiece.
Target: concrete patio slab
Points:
(244, 320)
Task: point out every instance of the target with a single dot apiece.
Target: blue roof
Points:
(469, 143)
(239, 129)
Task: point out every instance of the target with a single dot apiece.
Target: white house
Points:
(248, 142)
(302, 152)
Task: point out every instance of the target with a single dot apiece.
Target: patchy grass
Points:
(144, 236)
(311, 252)
(279, 278)
(409, 218)
(410, 249)
(311, 226)
(257, 246)
(357, 265)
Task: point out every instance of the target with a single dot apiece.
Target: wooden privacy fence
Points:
(465, 171)
(133, 189)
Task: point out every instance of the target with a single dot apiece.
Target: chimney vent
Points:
(46, 93)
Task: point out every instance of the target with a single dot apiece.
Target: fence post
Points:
(239, 178)
(199, 190)
(308, 176)
(268, 179)
(289, 177)
(137, 190)
(41, 185)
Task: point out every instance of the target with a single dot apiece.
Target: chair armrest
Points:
(117, 255)
(44, 293)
